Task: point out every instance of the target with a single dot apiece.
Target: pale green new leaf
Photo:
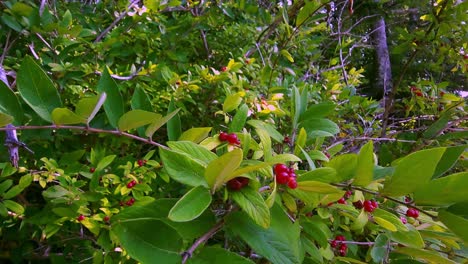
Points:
(159, 123)
(218, 170)
(196, 134)
(64, 116)
(365, 165)
(5, 119)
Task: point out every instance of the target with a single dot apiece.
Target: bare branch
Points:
(187, 254)
(117, 20)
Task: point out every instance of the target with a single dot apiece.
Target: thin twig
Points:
(117, 20)
(87, 129)
(187, 254)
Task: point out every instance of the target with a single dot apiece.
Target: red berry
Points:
(280, 168)
(418, 93)
(342, 252)
(333, 243)
(407, 199)
(80, 218)
(286, 140)
(358, 204)
(403, 220)
(234, 184)
(441, 93)
(223, 136)
(343, 246)
(106, 218)
(412, 213)
(368, 207)
(247, 61)
(348, 194)
(92, 169)
(130, 202)
(177, 82)
(375, 204)
(282, 178)
(131, 184)
(244, 181)
(224, 68)
(340, 238)
(342, 200)
(292, 175)
(232, 139)
(292, 183)
(141, 162)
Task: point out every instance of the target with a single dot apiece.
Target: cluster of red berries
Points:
(368, 205)
(286, 140)
(130, 202)
(412, 212)
(285, 175)
(416, 91)
(345, 197)
(237, 183)
(230, 138)
(131, 184)
(224, 68)
(141, 162)
(80, 218)
(339, 245)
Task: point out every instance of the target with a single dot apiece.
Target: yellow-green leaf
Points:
(196, 134)
(191, 205)
(136, 118)
(218, 170)
(385, 224)
(64, 116)
(318, 187)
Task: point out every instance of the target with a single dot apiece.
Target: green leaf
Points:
(5, 119)
(196, 134)
(424, 255)
(412, 171)
(345, 166)
(55, 191)
(191, 205)
(279, 243)
(248, 169)
(385, 224)
(360, 221)
(317, 187)
(3, 210)
(365, 165)
(411, 238)
(393, 219)
(106, 161)
(287, 55)
(380, 248)
(11, 22)
(238, 121)
(210, 255)
(88, 107)
(455, 223)
(183, 168)
(5, 185)
(161, 241)
(283, 158)
(140, 100)
(113, 105)
(438, 125)
(159, 123)
(232, 102)
(218, 170)
(64, 116)
(173, 124)
(265, 143)
(323, 174)
(317, 229)
(274, 134)
(136, 118)
(307, 11)
(318, 110)
(253, 204)
(300, 141)
(9, 104)
(448, 160)
(197, 152)
(37, 90)
(320, 127)
(14, 206)
(443, 191)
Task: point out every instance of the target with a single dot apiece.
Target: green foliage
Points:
(289, 82)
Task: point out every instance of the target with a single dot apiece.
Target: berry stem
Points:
(434, 217)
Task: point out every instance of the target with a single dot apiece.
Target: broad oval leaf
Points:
(88, 107)
(218, 170)
(113, 105)
(324, 174)
(64, 116)
(196, 134)
(425, 255)
(318, 110)
(136, 118)
(385, 224)
(37, 90)
(393, 219)
(232, 102)
(320, 127)
(9, 104)
(412, 171)
(238, 121)
(443, 191)
(14, 206)
(173, 124)
(410, 238)
(280, 243)
(183, 168)
(457, 224)
(345, 166)
(317, 187)
(191, 205)
(195, 151)
(365, 165)
(253, 204)
(153, 127)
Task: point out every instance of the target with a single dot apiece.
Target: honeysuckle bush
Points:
(172, 152)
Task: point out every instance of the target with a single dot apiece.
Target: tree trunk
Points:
(384, 73)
